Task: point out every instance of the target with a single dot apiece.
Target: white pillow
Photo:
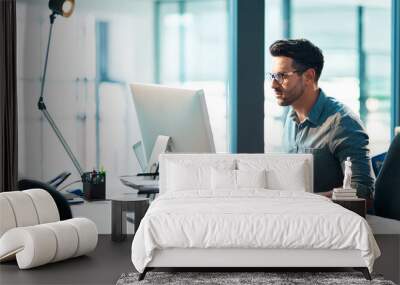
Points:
(183, 178)
(293, 180)
(282, 174)
(251, 178)
(193, 174)
(223, 179)
(226, 179)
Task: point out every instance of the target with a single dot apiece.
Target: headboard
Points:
(292, 168)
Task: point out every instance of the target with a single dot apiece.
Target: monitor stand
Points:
(162, 145)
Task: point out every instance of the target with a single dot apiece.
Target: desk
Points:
(358, 205)
(97, 211)
(120, 205)
(142, 185)
(100, 211)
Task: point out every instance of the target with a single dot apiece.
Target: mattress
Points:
(250, 219)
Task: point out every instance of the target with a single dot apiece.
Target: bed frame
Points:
(242, 259)
(245, 258)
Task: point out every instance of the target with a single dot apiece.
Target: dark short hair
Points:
(305, 54)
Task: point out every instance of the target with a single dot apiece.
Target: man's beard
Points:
(284, 100)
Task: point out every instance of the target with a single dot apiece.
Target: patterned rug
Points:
(243, 278)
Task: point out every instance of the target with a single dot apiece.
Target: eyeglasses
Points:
(280, 76)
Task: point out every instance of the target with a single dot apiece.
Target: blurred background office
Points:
(355, 37)
(105, 45)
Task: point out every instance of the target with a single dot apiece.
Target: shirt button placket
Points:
(297, 137)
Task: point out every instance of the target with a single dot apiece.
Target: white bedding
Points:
(252, 218)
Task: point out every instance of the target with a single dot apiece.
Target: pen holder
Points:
(94, 185)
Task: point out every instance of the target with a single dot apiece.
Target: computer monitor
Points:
(178, 113)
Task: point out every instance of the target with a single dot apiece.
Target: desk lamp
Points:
(93, 183)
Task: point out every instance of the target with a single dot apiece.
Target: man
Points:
(316, 123)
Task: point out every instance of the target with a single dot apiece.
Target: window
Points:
(357, 59)
(192, 51)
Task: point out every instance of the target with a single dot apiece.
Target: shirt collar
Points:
(293, 115)
(315, 112)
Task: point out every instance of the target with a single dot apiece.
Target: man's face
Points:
(292, 87)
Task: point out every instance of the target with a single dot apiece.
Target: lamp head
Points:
(62, 7)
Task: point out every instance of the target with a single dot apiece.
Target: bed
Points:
(247, 210)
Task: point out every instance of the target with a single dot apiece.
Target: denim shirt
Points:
(331, 132)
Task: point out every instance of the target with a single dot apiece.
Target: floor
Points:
(103, 266)
(110, 259)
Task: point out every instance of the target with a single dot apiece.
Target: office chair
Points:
(62, 205)
(387, 185)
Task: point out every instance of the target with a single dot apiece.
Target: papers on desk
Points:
(76, 200)
(139, 183)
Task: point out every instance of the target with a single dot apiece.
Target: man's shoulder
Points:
(340, 112)
(334, 106)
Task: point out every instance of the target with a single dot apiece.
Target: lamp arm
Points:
(52, 18)
(42, 106)
(61, 139)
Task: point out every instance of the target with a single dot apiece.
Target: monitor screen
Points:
(178, 113)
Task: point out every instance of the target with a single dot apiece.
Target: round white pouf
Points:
(87, 235)
(45, 206)
(40, 244)
(7, 218)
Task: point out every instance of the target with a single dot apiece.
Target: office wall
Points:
(70, 92)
